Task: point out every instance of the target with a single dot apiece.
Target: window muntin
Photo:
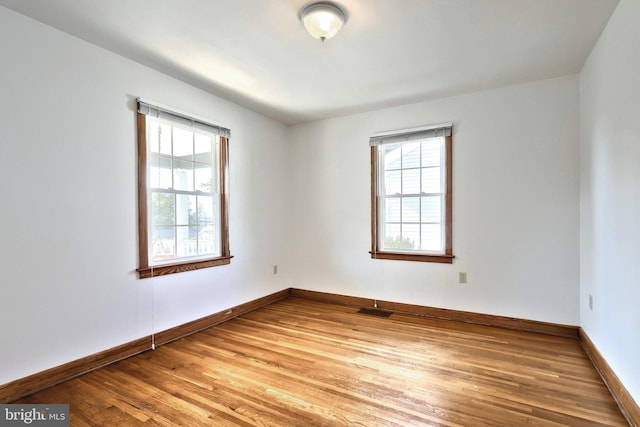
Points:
(183, 198)
(411, 197)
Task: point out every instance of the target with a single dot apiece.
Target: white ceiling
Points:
(391, 52)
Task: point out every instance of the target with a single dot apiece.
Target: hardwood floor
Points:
(305, 363)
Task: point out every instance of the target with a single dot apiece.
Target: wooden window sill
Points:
(179, 267)
(403, 256)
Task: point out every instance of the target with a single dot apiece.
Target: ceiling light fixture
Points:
(322, 19)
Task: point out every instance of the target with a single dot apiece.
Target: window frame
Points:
(376, 212)
(145, 270)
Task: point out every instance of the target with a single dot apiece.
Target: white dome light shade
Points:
(322, 20)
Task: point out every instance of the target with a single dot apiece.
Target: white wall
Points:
(516, 201)
(610, 195)
(69, 204)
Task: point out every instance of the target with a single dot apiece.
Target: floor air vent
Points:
(375, 312)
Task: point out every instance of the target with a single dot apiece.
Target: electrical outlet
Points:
(462, 277)
(590, 302)
(275, 269)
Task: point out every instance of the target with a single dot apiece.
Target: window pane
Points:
(204, 176)
(398, 242)
(431, 180)
(392, 181)
(431, 152)
(183, 144)
(431, 209)
(431, 237)
(203, 153)
(185, 210)
(187, 243)
(160, 171)
(163, 243)
(392, 238)
(392, 210)
(182, 175)
(216, 210)
(391, 155)
(208, 242)
(410, 155)
(216, 166)
(162, 209)
(159, 137)
(410, 209)
(205, 209)
(410, 236)
(411, 181)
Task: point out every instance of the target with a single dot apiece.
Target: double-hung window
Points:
(411, 194)
(183, 197)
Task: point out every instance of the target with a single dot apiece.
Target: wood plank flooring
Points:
(305, 363)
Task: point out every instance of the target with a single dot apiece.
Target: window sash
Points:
(403, 223)
(184, 237)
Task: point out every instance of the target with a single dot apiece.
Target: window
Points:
(411, 195)
(182, 190)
